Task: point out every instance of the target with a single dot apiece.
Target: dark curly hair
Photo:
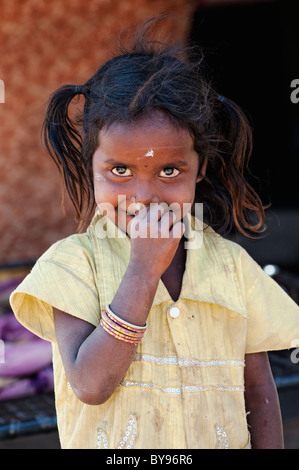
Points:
(148, 76)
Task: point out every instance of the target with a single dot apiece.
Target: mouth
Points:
(133, 209)
(124, 213)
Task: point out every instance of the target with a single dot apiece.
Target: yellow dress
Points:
(185, 387)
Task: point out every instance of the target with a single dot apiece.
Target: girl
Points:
(150, 337)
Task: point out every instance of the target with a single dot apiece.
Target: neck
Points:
(173, 276)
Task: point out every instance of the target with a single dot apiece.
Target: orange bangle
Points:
(120, 329)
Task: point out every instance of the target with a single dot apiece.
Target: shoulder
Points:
(70, 251)
(225, 247)
(74, 244)
(64, 278)
(71, 257)
(228, 254)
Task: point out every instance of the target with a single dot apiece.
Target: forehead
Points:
(148, 134)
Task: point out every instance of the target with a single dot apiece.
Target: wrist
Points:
(135, 295)
(144, 272)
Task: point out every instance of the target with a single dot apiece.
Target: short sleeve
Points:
(63, 278)
(273, 316)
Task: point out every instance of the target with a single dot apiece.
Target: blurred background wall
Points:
(252, 51)
(45, 44)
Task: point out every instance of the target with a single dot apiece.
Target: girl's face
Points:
(150, 161)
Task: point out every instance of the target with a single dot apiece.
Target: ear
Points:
(202, 171)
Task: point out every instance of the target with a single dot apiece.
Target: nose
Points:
(144, 193)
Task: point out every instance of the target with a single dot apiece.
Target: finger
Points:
(156, 211)
(177, 230)
(135, 208)
(166, 222)
(141, 211)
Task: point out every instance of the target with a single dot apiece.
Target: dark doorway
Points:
(252, 52)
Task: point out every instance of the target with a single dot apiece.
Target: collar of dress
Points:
(211, 273)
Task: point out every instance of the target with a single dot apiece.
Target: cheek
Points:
(184, 192)
(102, 193)
(99, 178)
(182, 200)
(108, 197)
(98, 192)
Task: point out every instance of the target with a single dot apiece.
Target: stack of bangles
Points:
(120, 329)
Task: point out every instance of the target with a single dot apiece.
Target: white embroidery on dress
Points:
(169, 360)
(157, 360)
(103, 441)
(126, 441)
(195, 362)
(184, 388)
(222, 439)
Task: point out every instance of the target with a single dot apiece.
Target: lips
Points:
(134, 209)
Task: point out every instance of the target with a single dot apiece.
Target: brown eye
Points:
(121, 171)
(169, 172)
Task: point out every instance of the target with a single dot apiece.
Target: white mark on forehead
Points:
(150, 153)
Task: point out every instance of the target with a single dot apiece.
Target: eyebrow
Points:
(174, 163)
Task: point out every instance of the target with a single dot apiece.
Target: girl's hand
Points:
(155, 236)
